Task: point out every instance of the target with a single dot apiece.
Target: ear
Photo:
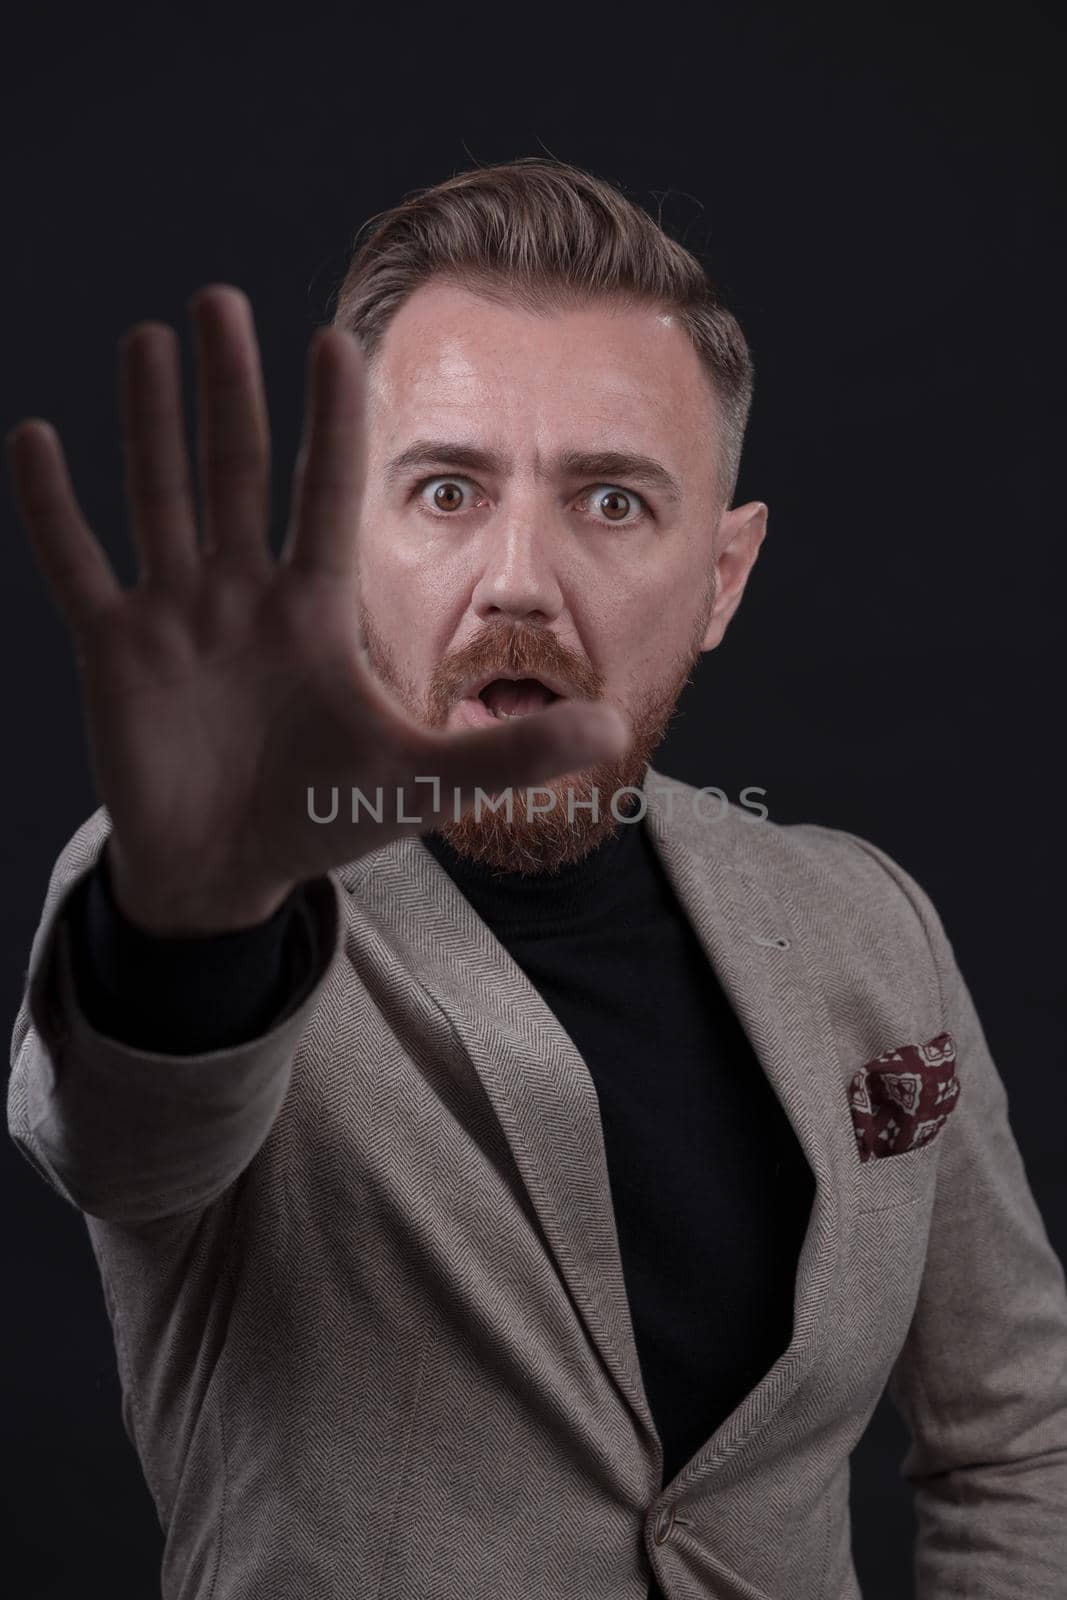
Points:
(740, 534)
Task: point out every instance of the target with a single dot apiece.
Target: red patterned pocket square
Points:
(900, 1100)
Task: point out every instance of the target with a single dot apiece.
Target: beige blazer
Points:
(365, 1285)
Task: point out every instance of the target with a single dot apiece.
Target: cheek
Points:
(393, 569)
(402, 553)
(644, 668)
(646, 638)
(631, 658)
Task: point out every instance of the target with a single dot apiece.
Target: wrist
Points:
(186, 910)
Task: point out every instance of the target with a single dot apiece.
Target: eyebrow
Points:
(608, 465)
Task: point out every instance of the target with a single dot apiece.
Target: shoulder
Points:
(829, 878)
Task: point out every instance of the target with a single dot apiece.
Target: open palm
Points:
(226, 682)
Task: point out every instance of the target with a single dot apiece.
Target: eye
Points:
(614, 503)
(446, 497)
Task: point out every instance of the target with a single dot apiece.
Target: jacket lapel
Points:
(545, 1100)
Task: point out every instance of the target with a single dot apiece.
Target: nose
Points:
(517, 580)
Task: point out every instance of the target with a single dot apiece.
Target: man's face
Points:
(519, 562)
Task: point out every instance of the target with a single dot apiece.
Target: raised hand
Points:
(225, 682)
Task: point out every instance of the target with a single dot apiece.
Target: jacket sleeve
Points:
(135, 1135)
(981, 1381)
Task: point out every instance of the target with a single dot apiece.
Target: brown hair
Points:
(546, 235)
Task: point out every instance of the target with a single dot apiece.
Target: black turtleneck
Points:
(711, 1189)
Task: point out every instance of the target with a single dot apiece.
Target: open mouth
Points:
(502, 699)
(516, 697)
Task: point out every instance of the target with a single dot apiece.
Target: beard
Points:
(542, 840)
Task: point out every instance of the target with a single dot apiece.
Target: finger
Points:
(330, 466)
(234, 428)
(159, 486)
(567, 737)
(75, 568)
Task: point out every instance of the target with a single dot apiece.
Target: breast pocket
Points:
(906, 1179)
(900, 1102)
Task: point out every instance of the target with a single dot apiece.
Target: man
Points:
(511, 1175)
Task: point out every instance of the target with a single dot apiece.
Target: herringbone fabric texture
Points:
(364, 1280)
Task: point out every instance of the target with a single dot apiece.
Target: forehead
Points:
(607, 370)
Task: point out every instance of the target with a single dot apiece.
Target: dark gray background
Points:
(878, 194)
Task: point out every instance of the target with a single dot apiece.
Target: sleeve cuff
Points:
(186, 995)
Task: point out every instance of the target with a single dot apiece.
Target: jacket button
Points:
(664, 1524)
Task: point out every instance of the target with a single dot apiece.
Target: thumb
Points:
(567, 736)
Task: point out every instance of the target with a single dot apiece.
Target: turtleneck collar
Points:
(542, 900)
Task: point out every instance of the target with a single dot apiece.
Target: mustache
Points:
(522, 650)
